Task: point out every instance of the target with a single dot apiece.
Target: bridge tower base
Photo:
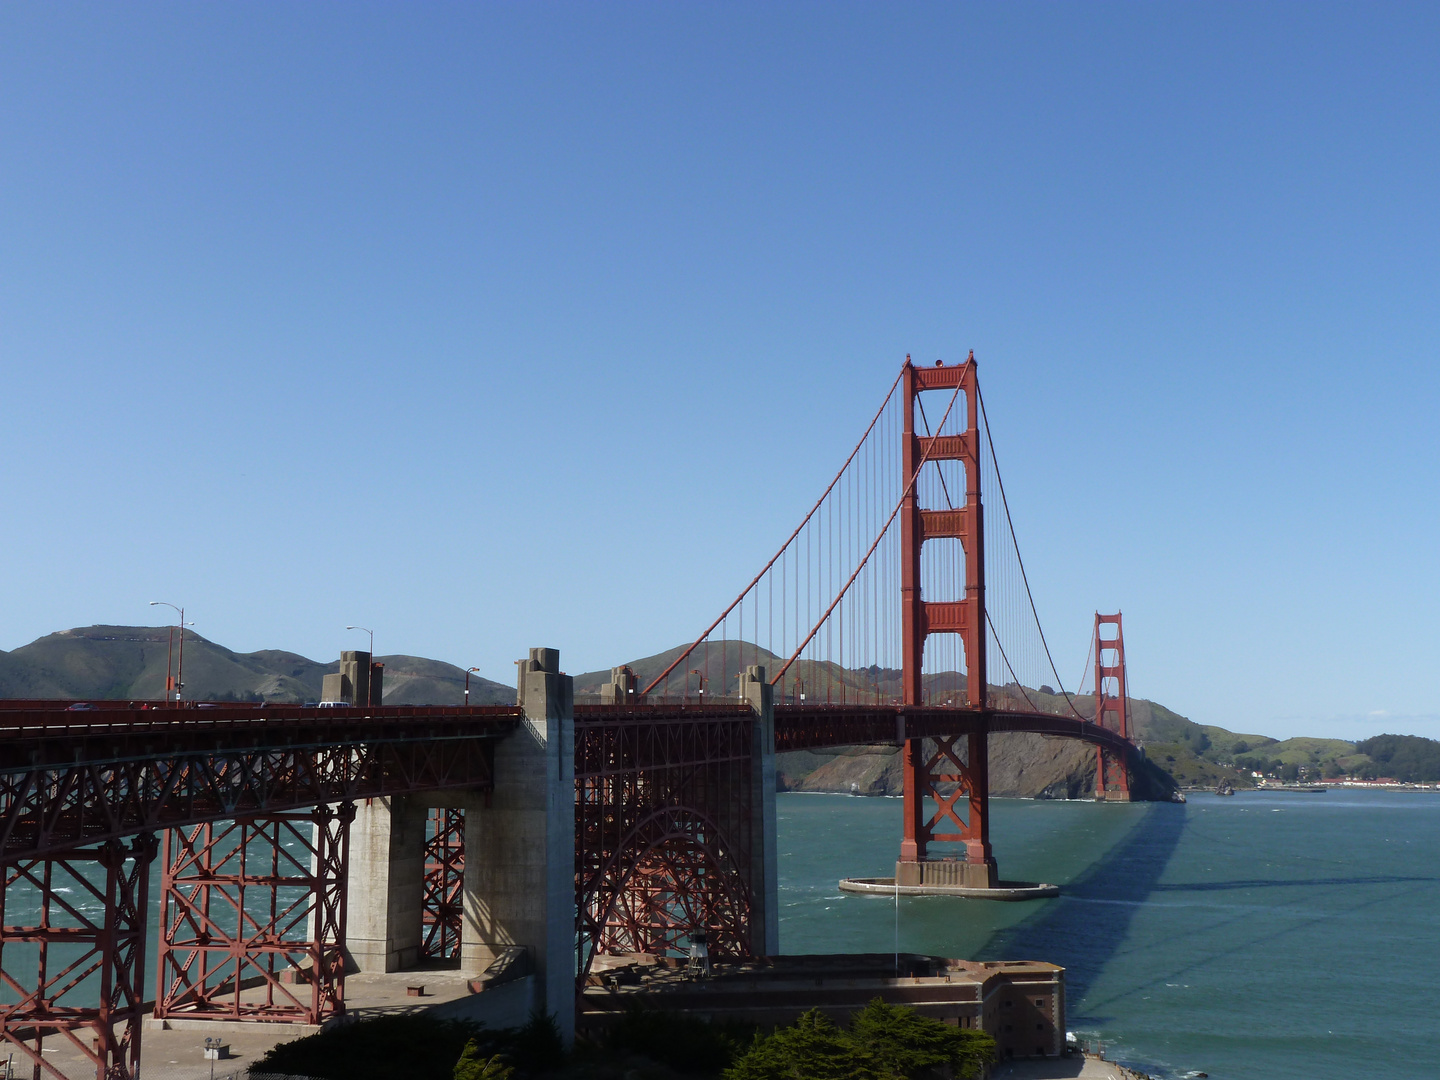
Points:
(942, 775)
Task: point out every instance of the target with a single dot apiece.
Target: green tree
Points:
(812, 1048)
(686, 1044)
(537, 1046)
(1408, 758)
(908, 1044)
(882, 1042)
(474, 1065)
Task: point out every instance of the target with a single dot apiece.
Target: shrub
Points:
(535, 1047)
(418, 1047)
(683, 1043)
(882, 1042)
(473, 1065)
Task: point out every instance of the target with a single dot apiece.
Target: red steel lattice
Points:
(929, 777)
(663, 829)
(950, 779)
(72, 954)
(252, 919)
(442, 902)
(54, 807)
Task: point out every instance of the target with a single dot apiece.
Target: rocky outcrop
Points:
(1022, 765)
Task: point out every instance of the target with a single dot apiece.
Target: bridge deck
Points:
(70, 777)
(807, 727)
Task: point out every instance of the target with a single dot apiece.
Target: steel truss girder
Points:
(83, 932)
(255, 904)
(48, 809)
(811, 726)
(442, 903)
(663, 833)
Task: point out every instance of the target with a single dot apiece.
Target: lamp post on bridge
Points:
(372, 639)
(467, 685)
(696, 673)
(180, 669)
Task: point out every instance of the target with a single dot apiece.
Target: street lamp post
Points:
(180, 669)
(467, 684)
(698, 675)
(372, 638)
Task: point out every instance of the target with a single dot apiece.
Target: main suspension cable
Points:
(1015, 543)
(925, 457)
(783, 547)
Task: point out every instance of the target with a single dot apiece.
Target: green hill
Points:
(1408, 758)
(129, 662)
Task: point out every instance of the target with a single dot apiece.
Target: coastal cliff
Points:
(1022, 765)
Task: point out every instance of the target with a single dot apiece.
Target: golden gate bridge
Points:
(568, 828)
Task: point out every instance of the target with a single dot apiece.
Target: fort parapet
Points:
(1020, 1003)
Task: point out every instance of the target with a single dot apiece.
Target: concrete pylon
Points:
(384, 884)
(764, 865)
(622, 689)
(520, 850)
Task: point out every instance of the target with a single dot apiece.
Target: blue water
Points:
(1265, 935)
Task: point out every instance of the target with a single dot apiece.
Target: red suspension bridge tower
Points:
(944, 776)
(1112, 708)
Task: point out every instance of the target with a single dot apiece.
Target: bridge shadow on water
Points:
(1275, 883)
(1088, 924)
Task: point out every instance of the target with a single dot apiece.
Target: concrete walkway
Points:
(176, 1052)
(1086, 1068)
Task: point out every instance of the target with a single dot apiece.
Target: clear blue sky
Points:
(499, 326)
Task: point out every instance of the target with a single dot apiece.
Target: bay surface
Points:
(1266, 935)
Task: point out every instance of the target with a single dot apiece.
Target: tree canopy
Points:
(1409, 758)
(882, 1042)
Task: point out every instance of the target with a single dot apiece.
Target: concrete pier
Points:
(1001, 890)
(519, 855)
(765, 922)
(520, 850)
(383, 893)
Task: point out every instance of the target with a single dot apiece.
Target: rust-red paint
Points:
(939, 778)
(1112, 707)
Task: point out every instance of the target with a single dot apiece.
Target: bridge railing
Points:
(60, 718)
